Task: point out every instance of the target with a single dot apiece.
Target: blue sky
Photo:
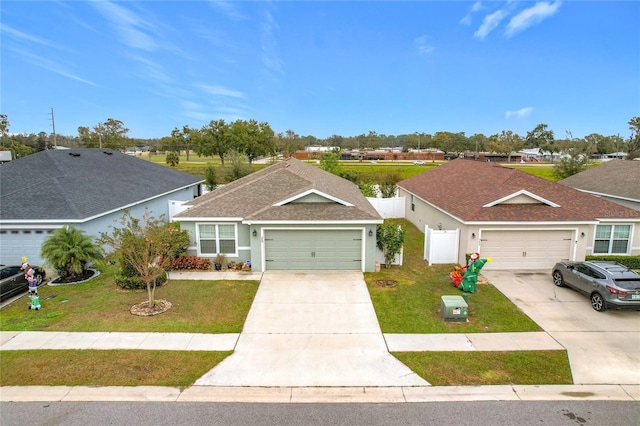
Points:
(322, 68)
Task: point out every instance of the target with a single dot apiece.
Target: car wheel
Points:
(557, 279)
(39, 279)
(598, 303)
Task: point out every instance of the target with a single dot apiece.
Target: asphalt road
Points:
(519, 413)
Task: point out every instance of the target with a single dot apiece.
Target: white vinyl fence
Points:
(441, 246)
(389, 207)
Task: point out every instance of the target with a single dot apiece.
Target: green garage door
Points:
(313, 250)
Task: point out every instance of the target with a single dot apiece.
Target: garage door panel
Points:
(529, 249)
(313, 249)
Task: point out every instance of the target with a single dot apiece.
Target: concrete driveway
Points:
(603, 347)
(311, 329)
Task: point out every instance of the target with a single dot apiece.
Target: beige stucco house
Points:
(519, 220)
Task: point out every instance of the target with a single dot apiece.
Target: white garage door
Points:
(313, 250)
(15, 243)
(525, 249)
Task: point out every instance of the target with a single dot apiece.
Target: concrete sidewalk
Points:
(306, 395)
(28, 340)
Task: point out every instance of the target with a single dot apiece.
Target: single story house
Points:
(519, 220)
(86, 188)
(288, 216)
(615, 180)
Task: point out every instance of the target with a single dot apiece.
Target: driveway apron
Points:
(311, 329)
(603, 347)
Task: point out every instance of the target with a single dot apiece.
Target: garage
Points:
(519, 249)
(29, 241)
(308, 249)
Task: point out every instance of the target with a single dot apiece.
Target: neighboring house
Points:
(86, 188)
(288, 216)
(615, 180)
(519, 220)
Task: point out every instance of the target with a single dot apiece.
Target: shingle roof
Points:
(255, 197)
(462, 187)
(77, 184)
(620, 178)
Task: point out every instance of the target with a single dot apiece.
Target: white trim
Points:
(522, 192)
(613, 227)
(604, 195)
(362, 246)
(207, 219)
(34, 226)
(563, 223)
(313, 191)
(312, 222)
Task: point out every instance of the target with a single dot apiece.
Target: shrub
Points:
(631, 262)
(135, 282)
(191, 263)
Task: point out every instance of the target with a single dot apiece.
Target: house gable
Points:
(522, 197)
(313, 196)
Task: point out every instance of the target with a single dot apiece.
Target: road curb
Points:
(306, 395)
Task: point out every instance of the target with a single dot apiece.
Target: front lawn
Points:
(414, 305)
(105, 367)
(100, 305)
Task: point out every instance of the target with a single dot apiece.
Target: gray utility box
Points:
(454, 308)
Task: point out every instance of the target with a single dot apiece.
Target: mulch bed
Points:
(386, 283)
(159, 307)
(86, 274)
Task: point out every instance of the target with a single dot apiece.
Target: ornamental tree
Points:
(148, 245)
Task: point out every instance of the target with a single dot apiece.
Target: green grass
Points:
(545, 171)
(489, 368)
(105, 367)
(414, 305)
(99, 305)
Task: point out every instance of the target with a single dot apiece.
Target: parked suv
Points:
(607, 284)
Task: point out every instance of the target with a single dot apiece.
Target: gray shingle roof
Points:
(620, 178)
(77, 184)
(254, 197)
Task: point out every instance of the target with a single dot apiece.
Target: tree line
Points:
(256, 139)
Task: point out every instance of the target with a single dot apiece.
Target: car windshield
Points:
(628, 283)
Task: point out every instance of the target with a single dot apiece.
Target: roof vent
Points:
(74, 154)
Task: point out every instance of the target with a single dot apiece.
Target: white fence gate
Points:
(441, 246)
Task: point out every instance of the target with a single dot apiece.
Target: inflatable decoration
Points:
(470, 278)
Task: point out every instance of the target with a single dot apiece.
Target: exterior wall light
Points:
(255, 233)
(370, 232)
(473, 235)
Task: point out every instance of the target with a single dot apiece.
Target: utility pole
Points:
(53, 124)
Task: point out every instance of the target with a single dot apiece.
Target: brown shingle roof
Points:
(254, 197)
(464, 187)
(620, 178)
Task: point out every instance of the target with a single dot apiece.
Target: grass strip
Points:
(105, 367)
(490, 368)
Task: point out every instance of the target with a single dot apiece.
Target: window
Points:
(612, 239)
(413, 203)
(217, 238)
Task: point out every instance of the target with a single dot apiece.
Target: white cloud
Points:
(229, 8)
(424, 45)
(531, 16)
(131, 27)
(490, 22)
(521, 113)
(466, 20)
(220, 91)
(52, 66)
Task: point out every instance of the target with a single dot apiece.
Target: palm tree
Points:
(68, 250)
